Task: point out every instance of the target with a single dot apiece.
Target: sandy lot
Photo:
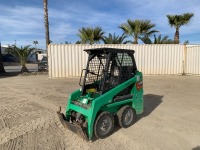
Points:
(28, 120)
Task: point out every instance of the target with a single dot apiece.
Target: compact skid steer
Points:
(111, 91)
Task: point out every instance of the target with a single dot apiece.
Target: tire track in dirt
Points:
(9, 100)
(21, 110)
(2, 124)
(23, 118)
(11, 132)
(37, 99)
(7, 133)
(23, 113)
(13, 105)
(40, 138)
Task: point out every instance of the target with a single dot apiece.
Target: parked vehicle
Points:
(42, 65)
(111, 87)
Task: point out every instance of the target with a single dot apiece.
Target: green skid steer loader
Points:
(111, 90)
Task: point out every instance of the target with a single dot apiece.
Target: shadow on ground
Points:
(151, 102)
(9, 74)
(196, 148)
(13, 74)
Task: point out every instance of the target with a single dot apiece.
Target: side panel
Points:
(114, 107)
(75, 95)
(138, 102)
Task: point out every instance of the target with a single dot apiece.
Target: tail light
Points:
(139, 85)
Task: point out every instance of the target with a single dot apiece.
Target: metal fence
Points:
(153, 59)
(193, 60)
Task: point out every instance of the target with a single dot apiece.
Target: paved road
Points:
(33, 67)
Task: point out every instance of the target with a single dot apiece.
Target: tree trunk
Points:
(24, 69)
(46, 22)
(176, 36)
(135, 40)
(2, 70)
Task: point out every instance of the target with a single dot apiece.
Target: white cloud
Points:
(25, 23)
(21, 23)
(156, 11)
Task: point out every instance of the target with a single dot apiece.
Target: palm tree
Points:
(46, 22)
(2, 70)
(158, 40)
(35, 43)
(186, 42)
(177, 21)
(146, 40)
(66, 42)
(22, 54)
(78, 42)
(113, 39)
(90, 35)
(138, 29)
(164, 40)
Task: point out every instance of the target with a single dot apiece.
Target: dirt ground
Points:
(28, 119)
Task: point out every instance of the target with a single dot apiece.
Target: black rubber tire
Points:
(101, 122)
(122, 116)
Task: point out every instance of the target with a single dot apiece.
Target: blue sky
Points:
(22, 20)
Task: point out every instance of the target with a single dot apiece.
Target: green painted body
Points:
(91, 104)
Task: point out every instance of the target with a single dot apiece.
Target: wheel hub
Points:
(128, 117)
(105, 125)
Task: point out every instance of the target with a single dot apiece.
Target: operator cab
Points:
(106, 68)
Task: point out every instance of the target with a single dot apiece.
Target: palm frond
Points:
(164, 40)
(138, 29)
(179, 20)
(21, 53)
(90, 35)
(115, 39)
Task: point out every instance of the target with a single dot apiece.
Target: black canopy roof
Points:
(106, 50)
